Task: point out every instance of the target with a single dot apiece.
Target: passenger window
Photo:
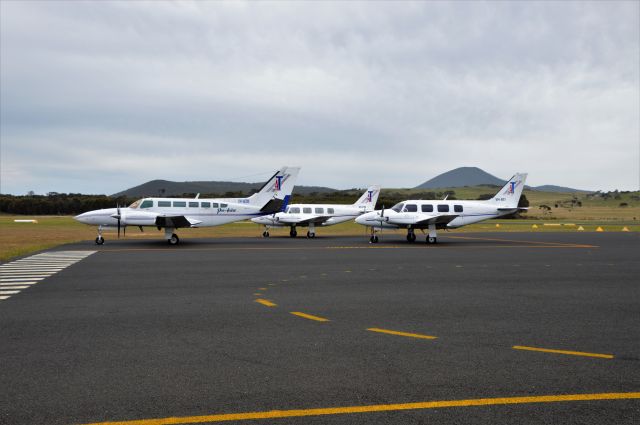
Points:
(193, 205)
(147, 204)
(330, 211)
(223, 205)
(427, 208)
(443, 208)
(306, 210)
(164, 203)
(179, 204)
(319, 210)
(205, 204)
(457, 208)
(411, 208)
(214, 205)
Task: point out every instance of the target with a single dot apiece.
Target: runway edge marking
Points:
(279, 414)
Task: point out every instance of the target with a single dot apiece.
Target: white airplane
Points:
(433, 215)
(172, 213)
(312, 215)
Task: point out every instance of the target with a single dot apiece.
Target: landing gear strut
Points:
(432, 238)
(293, 232)
(171, 237)
(374, 237)
(411, 235)
(312, 231)
(99, 239)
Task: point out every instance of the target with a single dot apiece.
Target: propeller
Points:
(119, 218)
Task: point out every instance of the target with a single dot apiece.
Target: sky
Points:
(100, 96)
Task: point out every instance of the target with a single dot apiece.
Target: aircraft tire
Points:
(411, 237)
(293, 233)
(431, 240)
(265, 234)
(99, 240)
(173, 240)
(311, 235)
(373, 239)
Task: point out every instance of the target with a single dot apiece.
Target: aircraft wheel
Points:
(411, 237)
(293, 233)
(265, 234)
(373, 239)
(173, 240)
(431, 240)
(99, 240)
(311, 235)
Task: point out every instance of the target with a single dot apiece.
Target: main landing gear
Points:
(312, 231)
(265, 234)
(171, 237)
(432, 237)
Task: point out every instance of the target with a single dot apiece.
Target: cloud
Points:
(100, 96)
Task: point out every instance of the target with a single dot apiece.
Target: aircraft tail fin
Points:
(274, 195)
(367, 202)
(509, 195)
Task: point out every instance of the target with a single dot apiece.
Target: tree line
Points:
(75, 203)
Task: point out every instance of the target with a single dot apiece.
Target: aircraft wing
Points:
(438, 219)
(176, 221)
(318, 219)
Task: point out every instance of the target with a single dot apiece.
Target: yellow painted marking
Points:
(410, 335)
(571, 353)
(263, 289)
(309, 316)
(347, 271)
(278, 414)
(257, 294)
(266, 302)
(272, 284)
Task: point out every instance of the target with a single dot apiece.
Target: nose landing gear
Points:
(99, 239)
(411, 235)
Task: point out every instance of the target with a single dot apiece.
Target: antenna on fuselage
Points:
(197, 196)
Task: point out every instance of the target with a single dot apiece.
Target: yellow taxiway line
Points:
(410, 335)
(571, 353)
(278, 414)
(265, 302)
(309, 316)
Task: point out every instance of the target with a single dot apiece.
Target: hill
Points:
(170, 188)
(474, 176)
(460, 177)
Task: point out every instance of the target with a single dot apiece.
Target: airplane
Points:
(173, 213)
(444, 214)
(312, 215)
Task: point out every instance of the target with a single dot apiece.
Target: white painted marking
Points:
(16, 287)
(5, 297)
(18, 279)
(21, 283)
(9, 292)
(23, 274)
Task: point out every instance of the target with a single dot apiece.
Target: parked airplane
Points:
(172, 213)
(312, 215)
(445, 214)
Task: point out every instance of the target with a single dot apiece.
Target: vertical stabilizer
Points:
(509, 195)
(367, 202)
(276, 192)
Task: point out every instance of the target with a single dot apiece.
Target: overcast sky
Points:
(100, 96)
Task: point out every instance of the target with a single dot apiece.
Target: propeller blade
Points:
(118, 218)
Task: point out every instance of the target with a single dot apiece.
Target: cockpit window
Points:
(147, 203)
(294, 210)
(397, 207)
(135, 204)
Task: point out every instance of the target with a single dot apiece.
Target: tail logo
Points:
(278, 184)
(512, 188)
(369, 195)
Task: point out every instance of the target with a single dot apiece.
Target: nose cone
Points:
(82, 218)
(363, 219)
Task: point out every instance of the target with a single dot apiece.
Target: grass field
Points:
(17, 239)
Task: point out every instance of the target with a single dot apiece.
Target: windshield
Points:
(397, 207)
(135, 204)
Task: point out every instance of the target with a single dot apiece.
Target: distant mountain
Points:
(474, 176)
(170, 188)
(463, 176)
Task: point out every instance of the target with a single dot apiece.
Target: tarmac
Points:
(527, 328)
